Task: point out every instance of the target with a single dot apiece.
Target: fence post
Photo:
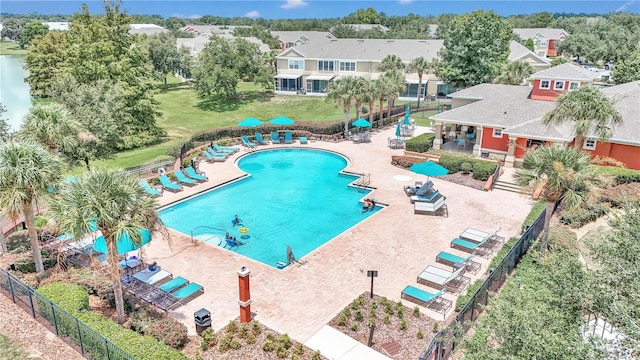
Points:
(106, 346)
(55, 322)
(33, 310)
(79, 337)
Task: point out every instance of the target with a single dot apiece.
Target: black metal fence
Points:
(445, 341)
(67, 327)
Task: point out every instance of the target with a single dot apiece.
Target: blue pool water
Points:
(295, 197)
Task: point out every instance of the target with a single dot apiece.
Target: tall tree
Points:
(589, 111)
(476, 45)
(530, 45)
(562, 174)
(51, 126)
(372, 94)
(393, 85)
(515, 73)
(46, 59)
(391, 62)
(421, 66)
(12, 29)
(5, 128)
(116, 204)
(27, 170)
(167, 58)
(31, 31)
(627, 70)
(342, 92)
(559, 61)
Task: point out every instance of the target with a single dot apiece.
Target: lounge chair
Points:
(303, 140)
(454, 261)
(158, 276)
(213, 157)
(473, 248)
(288, 139)
(419, 190)
(438, 278)
(274, 137)
(477, 236)
(144, 184)
(191, 172)
(167, 184)
(431, 301)
(429, 197)
(174, 284)
(225, 149)
(186, 293)
(260, 140)
(183, 179)
(248, 143)
(438, 207)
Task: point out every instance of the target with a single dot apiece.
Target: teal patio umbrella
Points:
(407, 119)
(429, 168)
(250, 122)
(398, 131)
(362, 122)
(124, 244)
(281, 120)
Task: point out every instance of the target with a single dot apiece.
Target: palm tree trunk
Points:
(547, 221)
(579, 140)
(389, 108)
(358, 107)
(381, 112)
(347, 109)
(3, 243)
(419, 87)
(371, 111)
(29, 218)
(114, 273)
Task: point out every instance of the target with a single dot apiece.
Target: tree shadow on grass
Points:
(219, 103)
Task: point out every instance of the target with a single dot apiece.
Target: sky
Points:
(297, 9)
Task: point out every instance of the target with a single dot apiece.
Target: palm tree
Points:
(589, 110)
(27, 171)
(50, 125)
(116, 204)
(359, 93)
(391, 62)
(341, 92)
(515, 73)
(393, 84)
(371, 95)
(419, 65)
(561, 174)
(3, 242)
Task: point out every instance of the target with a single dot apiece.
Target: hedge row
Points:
(621, 175)
(421, 143)
(458, 162)
(73, 304)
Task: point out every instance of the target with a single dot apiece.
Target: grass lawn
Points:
(185, 114)
(11, 48)
(12, 350)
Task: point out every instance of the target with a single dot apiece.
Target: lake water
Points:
(14, 92)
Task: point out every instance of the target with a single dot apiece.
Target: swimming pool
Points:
(295, 197)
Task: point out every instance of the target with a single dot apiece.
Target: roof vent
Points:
(361, 41)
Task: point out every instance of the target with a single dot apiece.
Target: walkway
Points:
(338, 346)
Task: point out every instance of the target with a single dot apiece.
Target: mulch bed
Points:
(463, 179)
(389, 338)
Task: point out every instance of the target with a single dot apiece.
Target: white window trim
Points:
(586, 145)
(577, 85)
(548, 84)
(295, 60)
(328, 65)
(561, 83)
(355, 66)
(497, 135)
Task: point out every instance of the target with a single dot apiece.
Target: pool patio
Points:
(301, 299)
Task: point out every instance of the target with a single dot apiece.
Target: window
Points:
(497, 133)
(573, 85)
(558, 85)
(544, 84)
(297, 64)
(543, 42)
(347, 66)
(325, 65)
(589, 144)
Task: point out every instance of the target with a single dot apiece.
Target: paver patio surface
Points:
(301, 299)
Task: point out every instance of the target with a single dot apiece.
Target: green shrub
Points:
(578, 217)
(535, 211)
(232, 327)
(453, 162)
(228, 343)
(416, 311)
(374, 306)
(268, 345)
(298, 349)
(316, 355)
(354, 326)
(342, 320)
(281, 352)
(209, 339)
(359, 316)
(73, 305)
(347, 313)
(434, 329)
(420, 334)
(483, 169)
(621, 175)
(504, 250)
(619, 195)
(386, 319)
(471, 290)
(421, 143)
(401, 313)
(285, 341)
(147, 321)
(372, 313)
(250, 338)
(466, 167)
(403, 325)
(255, 327)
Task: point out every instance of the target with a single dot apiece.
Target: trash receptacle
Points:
(202, 318)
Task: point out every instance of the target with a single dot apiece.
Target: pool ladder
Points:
(364, 180)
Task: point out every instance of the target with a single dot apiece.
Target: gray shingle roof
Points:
(509, 107)
(293, 36)
(517, 51)
(547, 33)
(566, 72)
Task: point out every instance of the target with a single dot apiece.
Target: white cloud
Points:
(293, 4)
(252, 14)
(183, 16)
(194, 16)
(626, 5)
(404, 2)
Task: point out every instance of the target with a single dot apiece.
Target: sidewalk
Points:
(335, 345)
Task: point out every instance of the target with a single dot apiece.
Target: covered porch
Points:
(288, 83)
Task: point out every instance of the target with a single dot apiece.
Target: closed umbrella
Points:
(407, 119)
(281, 120)
(124, 244)
(398, 131)
(250, 122)
(429, 168)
